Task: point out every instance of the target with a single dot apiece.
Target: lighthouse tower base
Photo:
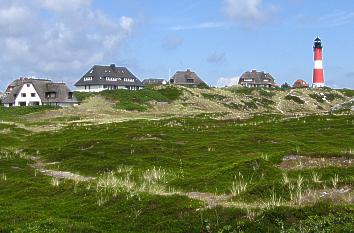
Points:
(318, 85)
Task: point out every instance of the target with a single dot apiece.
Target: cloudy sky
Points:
(219, 39)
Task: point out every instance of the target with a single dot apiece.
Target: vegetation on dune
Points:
(82, 96)
(268, 173)
(296, 99)
(15, 113)
(347, 92)
(136, 100)
(136, 166)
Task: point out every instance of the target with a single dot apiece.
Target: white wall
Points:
(27, 89)
(99, 88)
(90, 88)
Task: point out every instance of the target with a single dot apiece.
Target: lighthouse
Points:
(318, 76)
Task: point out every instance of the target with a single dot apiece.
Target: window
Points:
(70, 95)
(111, 79)
(33, 104)
(88, 79)
(105, 86)
(33, 94)
(50, 95)
(190, 80)
(15, 95)
(23, 94)
(28, 85)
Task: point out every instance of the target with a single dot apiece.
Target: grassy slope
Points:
(209, 153)
(28, 201)
(234, 99)
(136, 100)
(215, 149)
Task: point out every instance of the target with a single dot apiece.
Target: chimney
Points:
(113, 66)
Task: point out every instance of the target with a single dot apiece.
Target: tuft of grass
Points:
(239, 185)
(316, 178)
(335, 181)
(299, 189)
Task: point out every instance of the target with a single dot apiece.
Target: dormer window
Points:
(50, 95)
(111, 79)
(88, 79)
(28, 85)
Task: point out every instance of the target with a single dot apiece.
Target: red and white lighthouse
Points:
(318, 74)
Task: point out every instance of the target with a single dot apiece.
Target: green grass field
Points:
(147, 170)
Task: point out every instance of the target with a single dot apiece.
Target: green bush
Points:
(82, 96)
(214, 97)
(317, 97)
(347, 92)
(295, 99)
(13, 113)
(139, 100)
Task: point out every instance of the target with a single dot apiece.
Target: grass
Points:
(140, 166)
(136, 100)
(347, 92)
(15, 113)
(140, 100)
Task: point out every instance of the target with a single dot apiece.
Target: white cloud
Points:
(45, 38)
(227, 82)
(205, 25)
(127, 24)
(64, 5)
(337, 18)
(248, 12)
(172, 42)
(216, 57)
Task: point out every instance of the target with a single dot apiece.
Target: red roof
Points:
(300, 84)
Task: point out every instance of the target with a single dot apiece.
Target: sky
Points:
(218, 39)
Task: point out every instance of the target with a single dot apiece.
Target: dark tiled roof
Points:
(153, 81)
(41, 86)
(186, 78)
(100, 73)
(256, 78)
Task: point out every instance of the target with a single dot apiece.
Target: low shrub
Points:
(295, 99)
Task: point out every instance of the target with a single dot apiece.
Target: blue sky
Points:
(219, 39)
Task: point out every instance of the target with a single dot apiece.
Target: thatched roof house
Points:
(256, 79)
(30, 92)
(186, 78)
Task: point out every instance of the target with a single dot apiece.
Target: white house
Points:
(154, 81)
(34, 92)
(100, 78)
